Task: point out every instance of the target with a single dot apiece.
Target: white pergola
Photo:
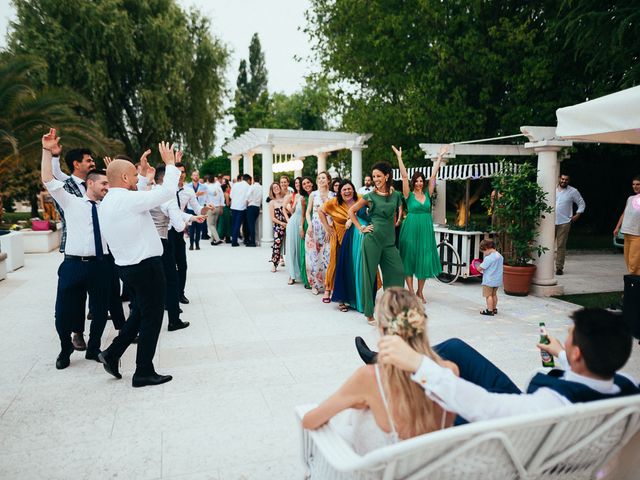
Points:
(291, 144)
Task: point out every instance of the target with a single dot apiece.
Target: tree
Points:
(25, 112)
(307, 109)
(251, 99)
(151, 71)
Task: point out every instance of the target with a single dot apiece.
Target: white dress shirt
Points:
(565, 198)
(77, 214)
(215, 196)
(188, 200)
(254, 197)
(58, 174)
(239, 193)
(474, 403)
(201, 188)
(127, 224)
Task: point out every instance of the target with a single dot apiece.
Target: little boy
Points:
(491, 269)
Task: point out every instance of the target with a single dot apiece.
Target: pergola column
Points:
(544, 280)
(247, 163)
(356, 165)
(235, 167)
(267, 180)
(322, 161)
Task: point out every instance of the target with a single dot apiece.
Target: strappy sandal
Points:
(326, 299)
(343, 308)
(487, 312)
(495, 311)
(274, 269)
(291, 281)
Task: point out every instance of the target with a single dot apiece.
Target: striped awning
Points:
(474, 171)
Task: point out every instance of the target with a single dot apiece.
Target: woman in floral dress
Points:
(317, 246)
(279, 218)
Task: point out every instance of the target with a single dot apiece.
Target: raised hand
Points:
(50, 141)
(167, 153)
(107, 161)
(443, 150)
(144, 163)
(151, 173)
(179, 156)
(397, 151)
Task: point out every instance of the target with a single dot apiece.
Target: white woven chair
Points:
(571, 442)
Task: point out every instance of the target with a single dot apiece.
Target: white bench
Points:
(572, 442)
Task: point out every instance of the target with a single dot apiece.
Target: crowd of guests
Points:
(336, 238)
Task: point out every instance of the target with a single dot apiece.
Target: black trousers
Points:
(76, 279)
(180, 254)
(237, 219)
(252, 217)
(115, 302)
(147, 284)
(172, 298)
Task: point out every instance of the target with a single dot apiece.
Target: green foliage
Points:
(151, 71)
(518, 208)
(306, 109)
(26, 113)
(431, 71)
(251, 99)
(214, 166)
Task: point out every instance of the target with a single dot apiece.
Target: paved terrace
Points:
(256, 347)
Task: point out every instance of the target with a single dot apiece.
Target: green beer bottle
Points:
(547, 358)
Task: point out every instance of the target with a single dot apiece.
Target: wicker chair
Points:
(571, 442)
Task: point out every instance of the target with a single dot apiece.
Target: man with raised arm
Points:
(598, 345)
(131, 234)
(86, 268)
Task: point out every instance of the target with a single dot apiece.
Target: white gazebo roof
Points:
(610, 119)
(300, 143)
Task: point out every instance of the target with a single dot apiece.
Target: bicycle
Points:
(450, 261)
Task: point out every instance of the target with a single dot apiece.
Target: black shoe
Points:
(109, 365)
(190, 247)
(63, 360)
(559, 272)
(197, 247)
(251, 245)
(154, 379)
(135, 339)
(227, 240)
(235, 244)
(89, 316)
(179, 325)
(92, 355)
(184, 299)
(219, 242)
(367, 355)
(206, 237)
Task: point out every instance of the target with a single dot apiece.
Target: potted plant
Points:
(517, 204)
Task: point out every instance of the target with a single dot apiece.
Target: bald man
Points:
(129, 229)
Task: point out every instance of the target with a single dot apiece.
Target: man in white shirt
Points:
(566, 196)
(254, 201)
(133, 240)
(597, 346)
(367, 187)
(215, 198)
(239, 193)
(200, 193)
(85, 268)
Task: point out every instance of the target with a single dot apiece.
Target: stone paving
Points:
(255, 349)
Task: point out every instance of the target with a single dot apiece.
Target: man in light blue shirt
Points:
(566, 196)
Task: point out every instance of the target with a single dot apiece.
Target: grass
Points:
(594, 300)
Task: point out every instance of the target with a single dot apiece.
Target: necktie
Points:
(97, 237)
(84, 185)
(178, 198)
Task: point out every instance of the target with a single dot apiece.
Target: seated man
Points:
(598, 344)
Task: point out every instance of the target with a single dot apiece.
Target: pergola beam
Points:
(431, 150)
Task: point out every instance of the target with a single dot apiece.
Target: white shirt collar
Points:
(78, 180)
(602, 386)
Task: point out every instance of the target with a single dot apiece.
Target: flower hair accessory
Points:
(407, 324)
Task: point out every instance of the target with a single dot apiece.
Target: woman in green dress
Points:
(417, 238)
(378, 244)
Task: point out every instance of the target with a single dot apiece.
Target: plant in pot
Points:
(517, 204)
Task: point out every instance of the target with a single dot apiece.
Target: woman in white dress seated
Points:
(386, 405)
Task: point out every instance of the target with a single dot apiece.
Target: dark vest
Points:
(577, 392)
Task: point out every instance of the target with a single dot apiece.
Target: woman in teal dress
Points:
(307, 186)
(417, 239)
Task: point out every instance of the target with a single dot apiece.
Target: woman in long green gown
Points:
(378, 244)
(417, 237)
(224, 223)
(308, 186)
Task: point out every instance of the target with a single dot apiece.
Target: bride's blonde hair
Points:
(401, 313)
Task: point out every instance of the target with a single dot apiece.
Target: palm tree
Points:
(25, 112)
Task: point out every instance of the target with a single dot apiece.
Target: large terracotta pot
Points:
(517, 280)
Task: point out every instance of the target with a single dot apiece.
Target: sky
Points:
(278, 23)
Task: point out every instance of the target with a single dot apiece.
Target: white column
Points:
(235, 167)
(247, 163)
(296, 174)
(547, 179)
(356, 166)
(267, 180)
(322, 161)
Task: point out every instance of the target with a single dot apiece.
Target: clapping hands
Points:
(168, 154)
